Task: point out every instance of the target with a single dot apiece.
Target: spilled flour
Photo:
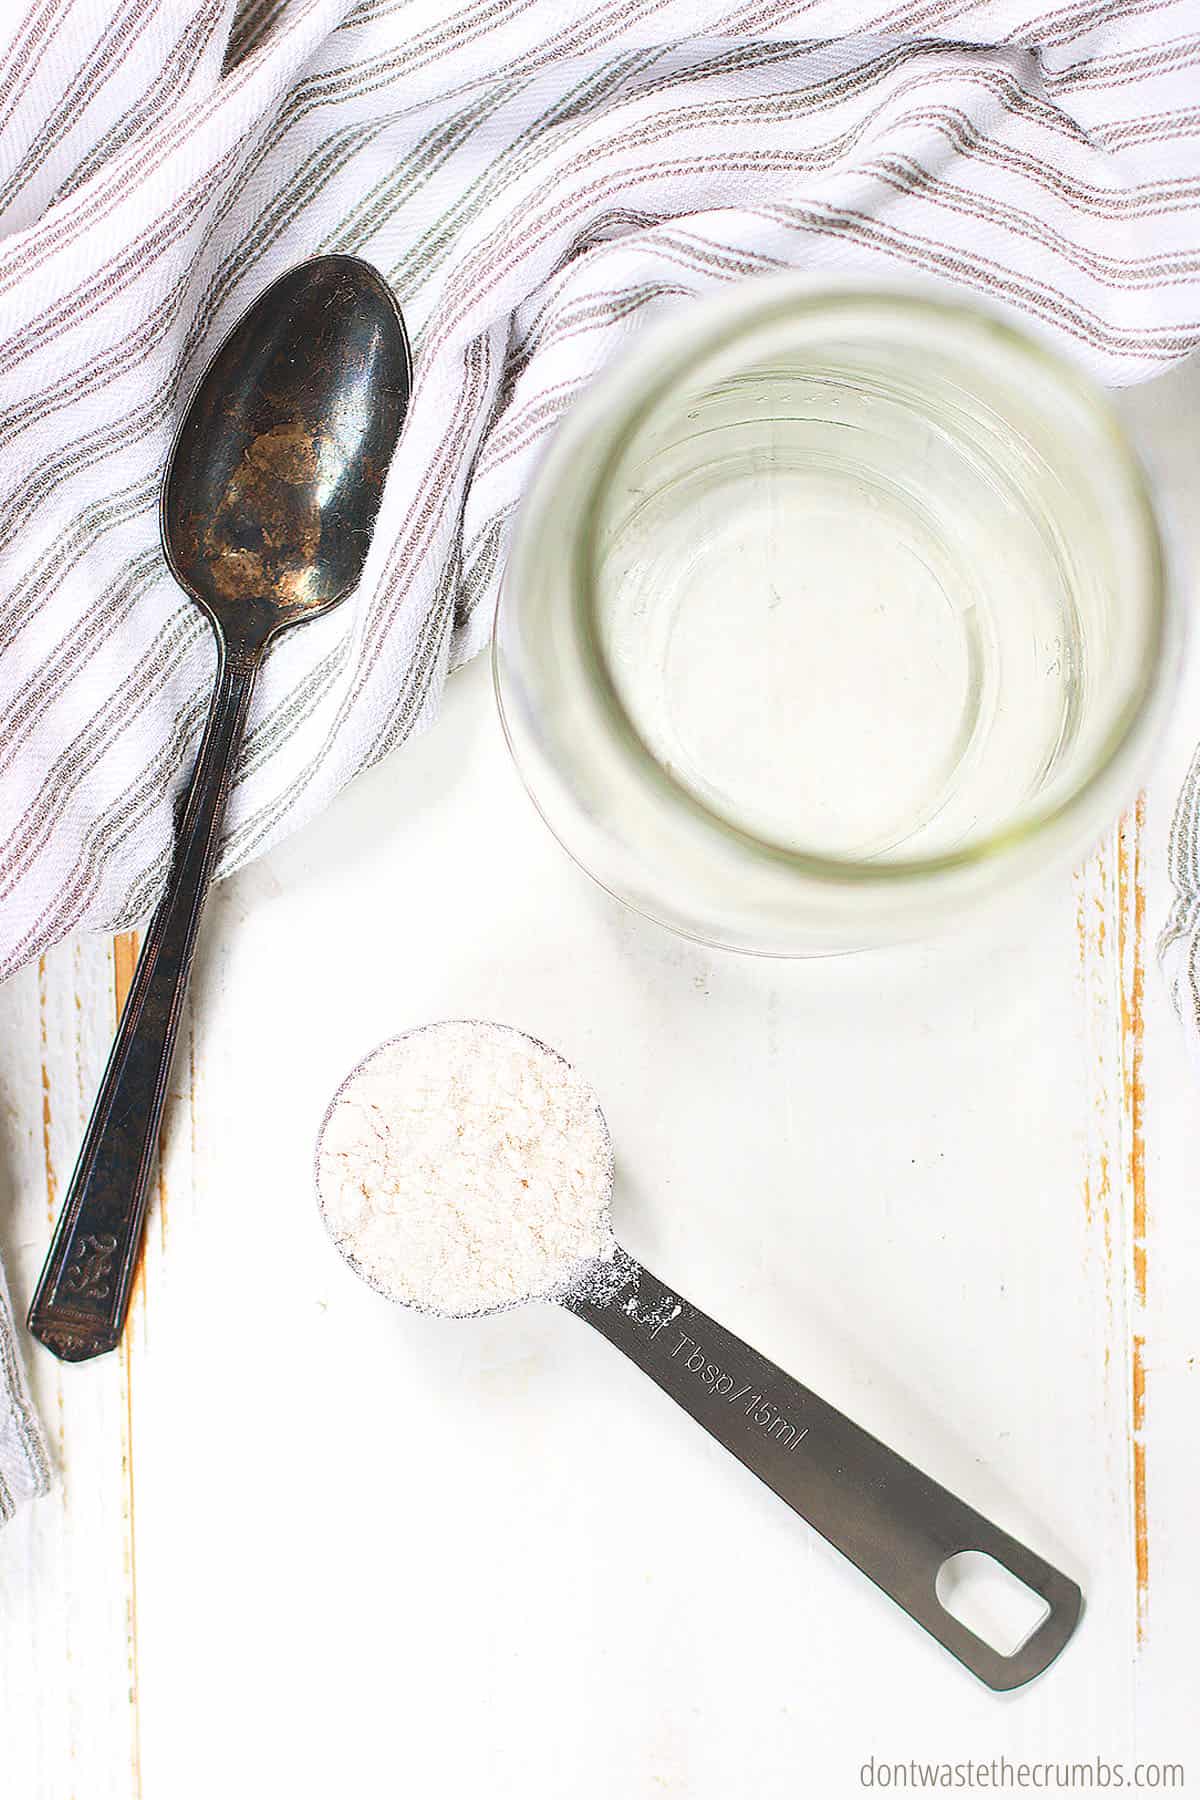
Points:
(465, 1167)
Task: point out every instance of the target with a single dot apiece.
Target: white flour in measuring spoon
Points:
(465, 1167)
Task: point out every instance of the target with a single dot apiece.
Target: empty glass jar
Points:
(831, 610)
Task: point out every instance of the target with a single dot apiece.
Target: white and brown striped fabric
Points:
(537, 178)
(24, 1466)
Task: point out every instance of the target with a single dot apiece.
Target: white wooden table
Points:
(304, 1543)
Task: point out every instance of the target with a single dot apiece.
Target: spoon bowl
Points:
(267, 513)
(278, 469)
(488, 1250)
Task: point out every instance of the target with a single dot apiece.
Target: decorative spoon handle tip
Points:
(79, 1307)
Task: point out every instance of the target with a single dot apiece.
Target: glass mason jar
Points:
(831, 610)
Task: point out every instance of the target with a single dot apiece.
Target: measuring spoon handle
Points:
(78, 1309)
(895, 1523)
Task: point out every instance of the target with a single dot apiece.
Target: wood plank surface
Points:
(302, 1542)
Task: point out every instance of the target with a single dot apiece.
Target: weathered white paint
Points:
(303, 1543)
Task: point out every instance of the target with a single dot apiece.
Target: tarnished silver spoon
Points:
(268, 509)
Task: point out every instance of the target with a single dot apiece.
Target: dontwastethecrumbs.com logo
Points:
(1000, 1775)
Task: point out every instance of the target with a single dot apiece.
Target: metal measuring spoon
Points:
(268, 508)
(899, 1526)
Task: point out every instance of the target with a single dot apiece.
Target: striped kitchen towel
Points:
(537, 178)
(24, 1467)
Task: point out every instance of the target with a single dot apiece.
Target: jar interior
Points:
(868, 590)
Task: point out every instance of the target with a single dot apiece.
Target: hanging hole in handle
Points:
(989, 1600)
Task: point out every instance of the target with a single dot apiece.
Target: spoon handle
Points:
(897, 1525)
(78, 1310)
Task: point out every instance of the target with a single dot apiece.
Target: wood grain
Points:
(858, 1137)
(952, 1190)
(1111, 929)
(63, 1597)
(126, 946)
(1131, 914)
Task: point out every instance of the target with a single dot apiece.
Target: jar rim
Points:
(653, 369)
